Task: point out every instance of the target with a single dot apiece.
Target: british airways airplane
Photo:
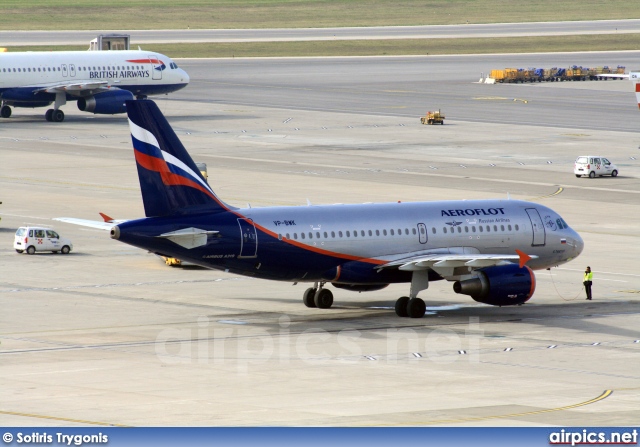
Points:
(100, 81)
(487, 248)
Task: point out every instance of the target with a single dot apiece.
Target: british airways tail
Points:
(170, 182)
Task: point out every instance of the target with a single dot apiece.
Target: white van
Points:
(594, 165)
(32, 239)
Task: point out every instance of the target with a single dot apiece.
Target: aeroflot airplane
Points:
(480, 245)
(100, 81)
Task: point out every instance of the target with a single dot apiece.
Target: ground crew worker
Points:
(588, 278)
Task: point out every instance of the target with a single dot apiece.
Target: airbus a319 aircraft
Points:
(100, 81)
(488, 248)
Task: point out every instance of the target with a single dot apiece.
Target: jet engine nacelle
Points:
(106, 103)
(504, 285)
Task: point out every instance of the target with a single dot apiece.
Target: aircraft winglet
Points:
(106, 218)
(524, 258)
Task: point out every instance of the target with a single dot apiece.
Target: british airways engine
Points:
(487, 248)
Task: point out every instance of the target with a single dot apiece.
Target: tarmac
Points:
(110, 335)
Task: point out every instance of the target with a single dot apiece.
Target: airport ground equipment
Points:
(555, 74)
(433, 118)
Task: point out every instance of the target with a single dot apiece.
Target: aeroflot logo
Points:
(474, 212)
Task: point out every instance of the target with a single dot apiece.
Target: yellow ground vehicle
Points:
(433, 118)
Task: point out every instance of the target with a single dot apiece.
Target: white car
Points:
(32, 239)
(594, 165)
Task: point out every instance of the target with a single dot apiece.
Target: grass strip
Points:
(230, 14)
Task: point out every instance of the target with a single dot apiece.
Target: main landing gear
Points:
(56, 116)
(410, 307)
(317, 296)
(5, 111)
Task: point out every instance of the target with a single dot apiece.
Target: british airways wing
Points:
(100, 81)
(487, 248)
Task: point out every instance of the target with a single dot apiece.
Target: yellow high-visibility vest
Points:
(588, 276)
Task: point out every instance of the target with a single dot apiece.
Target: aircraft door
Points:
(72, 70)
(248, 239)
(539, 234)
(422, 233)
(156, 67)
(65, 72)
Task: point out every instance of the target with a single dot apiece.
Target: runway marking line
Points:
(55, 418)
(603, 396)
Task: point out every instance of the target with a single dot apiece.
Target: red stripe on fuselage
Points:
(145, 61)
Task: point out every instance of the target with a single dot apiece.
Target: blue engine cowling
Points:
(106, 103)
(504, 285)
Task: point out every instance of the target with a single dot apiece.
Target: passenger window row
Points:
(390, 232)
(480, 229)
(49, 69)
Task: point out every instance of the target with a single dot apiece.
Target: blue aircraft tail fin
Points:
(169, 179)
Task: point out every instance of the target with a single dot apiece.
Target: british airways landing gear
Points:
(318, 296)
(56, 116)
(5, 111)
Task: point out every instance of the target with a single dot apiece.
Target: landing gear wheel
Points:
(65, 250)
(592, 174)
(401, 306)
(614, 173)
(323, 299)
(49, 115)
(31, 250)
(309, 296)
(416, 308)
(5, 111)
(58, 116)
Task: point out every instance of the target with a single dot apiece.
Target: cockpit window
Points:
(173, 65)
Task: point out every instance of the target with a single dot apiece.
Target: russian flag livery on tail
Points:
(489, 256)
(169, 179)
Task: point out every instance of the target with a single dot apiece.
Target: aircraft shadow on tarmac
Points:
(575, 315)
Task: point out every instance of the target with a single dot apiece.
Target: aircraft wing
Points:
(78, 88)
(442, 263)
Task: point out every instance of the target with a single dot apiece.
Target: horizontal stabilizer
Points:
(100, 225)
(188, 237)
